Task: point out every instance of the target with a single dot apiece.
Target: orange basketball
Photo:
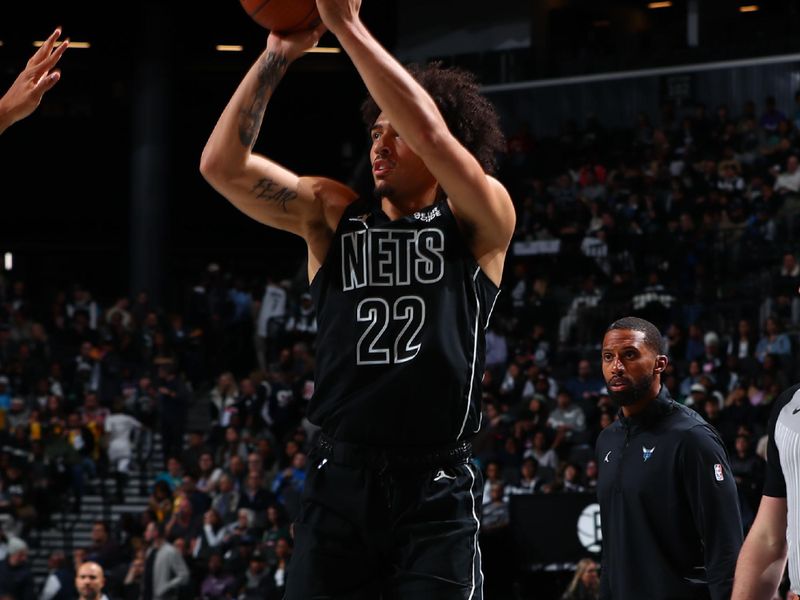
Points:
(284, 16)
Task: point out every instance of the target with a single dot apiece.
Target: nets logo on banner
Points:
(589, 532)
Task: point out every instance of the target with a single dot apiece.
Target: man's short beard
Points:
(91, 595)
(634, 393)
(383, 190)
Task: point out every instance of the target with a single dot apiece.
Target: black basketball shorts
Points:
(377, 526)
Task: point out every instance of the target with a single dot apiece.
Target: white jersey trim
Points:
(474, 353)
(476, 550)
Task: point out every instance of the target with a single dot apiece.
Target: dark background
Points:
(68, 195)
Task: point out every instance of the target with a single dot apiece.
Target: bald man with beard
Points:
(89, 581)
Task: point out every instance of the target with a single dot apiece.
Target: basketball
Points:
(283, 16)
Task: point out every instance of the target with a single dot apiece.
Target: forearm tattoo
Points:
(270, 72)
(267, 189)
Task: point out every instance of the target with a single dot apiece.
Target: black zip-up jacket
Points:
(668, 503)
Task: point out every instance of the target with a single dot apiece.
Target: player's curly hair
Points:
(470, 117)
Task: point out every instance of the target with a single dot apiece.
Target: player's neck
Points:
(398, 207)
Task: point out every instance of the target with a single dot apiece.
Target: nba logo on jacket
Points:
(718, 475)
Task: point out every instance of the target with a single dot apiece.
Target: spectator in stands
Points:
(132, 585)
(495, 513)
(233, 446)
(584, 386)
(748, 471)
(160, 501)
(208, 474)
(243, 528)
(288, 484)
(784, 301)
(165, 572)
(540, 451)
(279, 571)
(173, 475)
(16, 577)
(89, 581)
(226, 501)
(104, 550)
(218, 584)
(585, 585)
(788, 182)
(173, 400)
(195, 449)
(254, 496)
(774, 341)
(119, 428)
(183, 524)
(529, 481)
(567, 421)
(256, 583)
(59, 584)
(210, 537)
(493, 477)
(571, 480)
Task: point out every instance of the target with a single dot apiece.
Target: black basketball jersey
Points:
(402, 307)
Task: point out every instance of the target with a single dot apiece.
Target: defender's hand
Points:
(36, 78)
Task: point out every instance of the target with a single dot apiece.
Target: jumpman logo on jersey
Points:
(361, 219)
(607, 455)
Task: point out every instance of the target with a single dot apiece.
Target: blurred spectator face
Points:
(694, 368)
(237, 465)
(791, 163)
(282, 549)
(174, 467)
(247, 388)
(90, 581)
(744, 328)
(254, 463)
(151, 533)
(528, 470)
(570, 473)
(18, 558)
(605, 420)
(496, 492)
(74, 421)
(299, 461)
(56, 560)
(742, 445)
(564, 401)
(590, 578)
(253, 480)
(771, 326)
(78, 557)
(231, 435)
(272, 515)
(257, 564)
(591, 469)
(90, 401)
(584, 369)
(492, 471)
(243, 518)
(180, 545)
(539, 440)
(206, 462)
(711, 408)
(215, 564)
(99, 534)
(225, 382)
(291, 448)
(211, 518)
(225, 484)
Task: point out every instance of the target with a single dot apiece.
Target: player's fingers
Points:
(49, 62)
(44, 50)
(46, 82)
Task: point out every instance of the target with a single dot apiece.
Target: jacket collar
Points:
(661, 405)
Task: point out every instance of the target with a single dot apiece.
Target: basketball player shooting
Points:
(404, 286)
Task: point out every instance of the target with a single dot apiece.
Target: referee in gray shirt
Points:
(776, 530)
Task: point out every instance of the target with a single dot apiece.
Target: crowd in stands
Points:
(686, 221)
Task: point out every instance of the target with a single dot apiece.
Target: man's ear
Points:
(661, 364)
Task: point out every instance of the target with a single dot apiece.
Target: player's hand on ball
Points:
(338, 13)
(293, 45)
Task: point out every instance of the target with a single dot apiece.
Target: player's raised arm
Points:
(476, 198)
(38, 76)
(260, 188)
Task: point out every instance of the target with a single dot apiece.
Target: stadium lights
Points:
(749, 8)
(324, 50)
(229, 48)
(666, 4)
(39, 43)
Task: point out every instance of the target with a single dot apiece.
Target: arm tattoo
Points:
(267, 189)
(270, 72)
